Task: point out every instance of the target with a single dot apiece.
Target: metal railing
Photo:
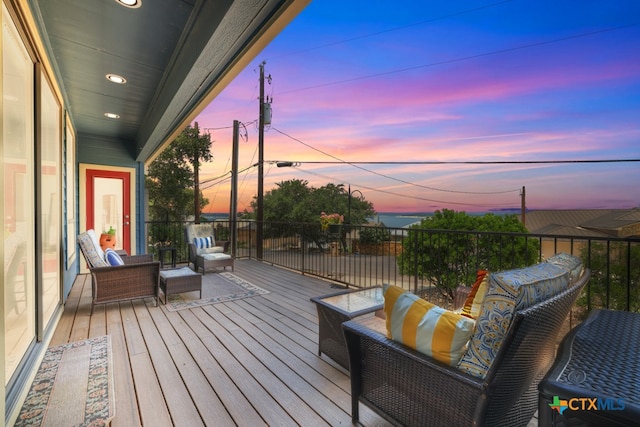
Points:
(419, 259)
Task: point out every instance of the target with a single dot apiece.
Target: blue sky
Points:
(441, 81)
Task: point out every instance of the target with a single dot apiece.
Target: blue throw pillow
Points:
(112, 257)
(204, 242)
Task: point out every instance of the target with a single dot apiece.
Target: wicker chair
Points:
(409, 388)
(212, 254)
(137, 278)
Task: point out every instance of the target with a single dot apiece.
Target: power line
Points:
(355, 164)
(463, 58)
(406, 196)
(226, 177)
(390, 30)
(470, 162)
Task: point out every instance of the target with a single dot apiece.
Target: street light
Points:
(349, 204)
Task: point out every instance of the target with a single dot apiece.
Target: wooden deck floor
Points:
(247, 362)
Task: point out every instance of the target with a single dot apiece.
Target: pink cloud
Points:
(494, 108)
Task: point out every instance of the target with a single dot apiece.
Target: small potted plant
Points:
(108, 239)
(331, 222)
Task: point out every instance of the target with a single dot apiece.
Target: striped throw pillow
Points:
(203, 242)
(427, 328)
(474, 300)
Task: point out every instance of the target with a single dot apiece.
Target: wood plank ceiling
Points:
(174, 54)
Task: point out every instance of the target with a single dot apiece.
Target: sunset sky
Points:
(441, 81)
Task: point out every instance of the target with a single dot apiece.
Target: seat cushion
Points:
(474, 300)
(425, 327)
(91, 250)
(200, 230)
(569, 262)
(211, 250)
(216, 256)
(508, 292)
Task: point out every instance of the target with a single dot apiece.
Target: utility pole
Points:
(233, 208)
(260, 207)
(196, 179)
(523, 207)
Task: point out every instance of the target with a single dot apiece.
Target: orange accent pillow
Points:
(474, 300)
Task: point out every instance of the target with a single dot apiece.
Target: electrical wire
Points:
(395, 194)
(356, 165)
(225, 178)
(390, 30)
(462, 162)
(463, 58)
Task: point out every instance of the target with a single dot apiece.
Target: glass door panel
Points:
(108, 204)
(18, 204)
(108, 199)
(50, 211)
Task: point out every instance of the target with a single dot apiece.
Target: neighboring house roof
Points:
(614, 220)
(582, 222)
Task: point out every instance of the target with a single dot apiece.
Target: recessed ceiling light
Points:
(130, 3)
(116, 78)
(112, 115)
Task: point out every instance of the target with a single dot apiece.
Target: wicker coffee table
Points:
(595, 379)
(337, 308)
(179, 280)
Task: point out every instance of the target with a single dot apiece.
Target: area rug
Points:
(73, 386)
(216, 287)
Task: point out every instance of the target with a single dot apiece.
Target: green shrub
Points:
(374, 235)
(609, 286)
(448, 248)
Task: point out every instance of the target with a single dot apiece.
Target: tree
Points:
(295, 202)
(287, 202)
(194, 149)
(448, 248)
(172, 178)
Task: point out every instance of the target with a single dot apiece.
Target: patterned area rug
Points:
(216, 287)
(73, 386)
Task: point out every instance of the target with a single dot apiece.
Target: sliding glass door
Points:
(18, 196)
(31, 157)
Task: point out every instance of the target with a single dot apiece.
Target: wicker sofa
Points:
(410, 388)
(137, 278)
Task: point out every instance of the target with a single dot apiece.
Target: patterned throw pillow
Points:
(508, 292)
(569, 262)
(427, 328)
(112, 258)
(204, 242)
(474, 300)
